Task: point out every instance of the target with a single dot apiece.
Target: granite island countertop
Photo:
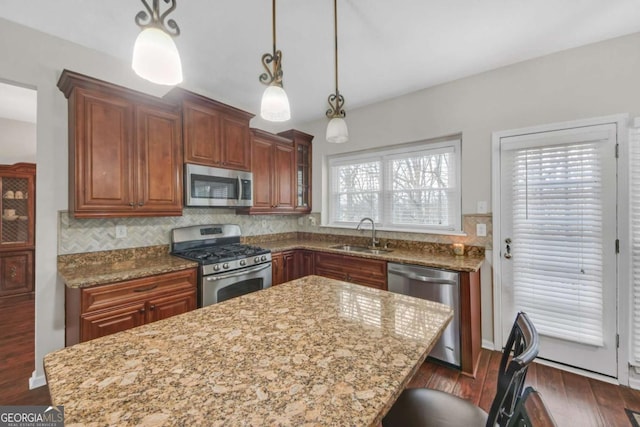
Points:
(314, 351)
(98, 268)
(402, 255)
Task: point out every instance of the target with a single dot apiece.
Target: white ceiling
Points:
(387, 48)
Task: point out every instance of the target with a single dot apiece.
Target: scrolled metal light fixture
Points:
(337, 131)
(155, 55)
(275, 103)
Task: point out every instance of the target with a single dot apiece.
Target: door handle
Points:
(507, 249)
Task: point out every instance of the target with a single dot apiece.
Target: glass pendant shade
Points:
(275, 104)
(156, 57)
(337, 131)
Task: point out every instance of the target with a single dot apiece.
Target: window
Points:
(410, 187)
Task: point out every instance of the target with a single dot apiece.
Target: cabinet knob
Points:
(141, 311)
(132, 204)
(152, 307)
(140, 204)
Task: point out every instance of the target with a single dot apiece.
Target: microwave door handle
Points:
(239, 189)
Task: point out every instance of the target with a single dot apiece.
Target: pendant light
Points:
(337, 131)
(155, 55)
(275, 103)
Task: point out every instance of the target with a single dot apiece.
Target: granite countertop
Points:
(97, 268)
(314, 351)
(406, 256)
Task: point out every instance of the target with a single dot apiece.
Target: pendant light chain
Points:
(337, 131)
(335, 37)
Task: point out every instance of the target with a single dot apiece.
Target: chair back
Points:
(531, 411)
(521, 349)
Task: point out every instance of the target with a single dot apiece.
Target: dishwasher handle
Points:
(426, 279)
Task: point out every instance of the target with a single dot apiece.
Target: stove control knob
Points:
(216, 267)
(243, 262)
(263, 258)
(225, 265)
(256, 259)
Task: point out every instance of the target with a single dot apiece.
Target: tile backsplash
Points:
(91, 235)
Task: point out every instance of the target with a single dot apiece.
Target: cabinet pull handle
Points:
(132, 204)
(148, 288)
(13, 272)
(140, 204)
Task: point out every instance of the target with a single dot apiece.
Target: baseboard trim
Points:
(634, 383)
(577, 371)
(36, 381)
(488, 345)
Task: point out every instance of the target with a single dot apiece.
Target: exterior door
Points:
(557, 241)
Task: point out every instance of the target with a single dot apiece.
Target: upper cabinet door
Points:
(201, 133)
(284, 167)
(103, 152)
(159, 160)
(303, 149)
(262, 174)
(236, 146)
(214, 134)
(125, 151)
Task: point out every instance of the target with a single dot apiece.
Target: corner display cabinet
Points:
(17, 241)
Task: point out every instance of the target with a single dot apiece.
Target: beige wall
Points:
(590, 81)
(17, 141)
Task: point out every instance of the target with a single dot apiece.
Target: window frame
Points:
(385, 154)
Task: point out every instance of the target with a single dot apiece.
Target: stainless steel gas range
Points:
(227, 268)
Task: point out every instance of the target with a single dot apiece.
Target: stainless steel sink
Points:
(362, 249)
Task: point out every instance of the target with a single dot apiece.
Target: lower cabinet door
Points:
(106, 322)
(167, 306)
(16, 273)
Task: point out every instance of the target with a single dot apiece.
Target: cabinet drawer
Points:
(101, 297)
(107, 322)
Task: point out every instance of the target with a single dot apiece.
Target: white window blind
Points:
(634, 150)
(413, 187)
(557, 223)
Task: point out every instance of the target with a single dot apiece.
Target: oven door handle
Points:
(239, 273)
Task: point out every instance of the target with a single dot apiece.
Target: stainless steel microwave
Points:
(209, 186)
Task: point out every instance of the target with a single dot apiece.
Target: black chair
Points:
(531, 412)
(421, 407)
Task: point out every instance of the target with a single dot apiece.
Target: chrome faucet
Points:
(374, 242)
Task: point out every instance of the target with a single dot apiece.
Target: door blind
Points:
(557, 239)
(634, 149)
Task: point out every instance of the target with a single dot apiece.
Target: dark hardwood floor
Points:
(573, 400)
(17, 329)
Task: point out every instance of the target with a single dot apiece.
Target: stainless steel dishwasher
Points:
(434, 285)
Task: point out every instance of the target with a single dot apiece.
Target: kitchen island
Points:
(313, 351)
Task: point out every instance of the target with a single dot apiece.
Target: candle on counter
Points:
(458, 249)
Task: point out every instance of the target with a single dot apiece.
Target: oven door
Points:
(207, 186)
(224, 286)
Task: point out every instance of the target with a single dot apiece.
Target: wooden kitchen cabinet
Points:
(214, 134)
(17, 230)
(16, 273)
(273, 168)
(303, 152)
(362, 271)
(106, 309)
(125, 151)
(305, 263)
(283, 267)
